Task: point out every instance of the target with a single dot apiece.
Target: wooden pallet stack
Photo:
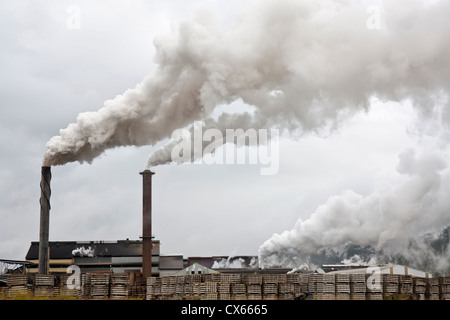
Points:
(18, 285)
(95, 285)
(254, 286)
(85, 291)
(325, 287)
(374, 287)
(168, 285)
(419, 287)
(235, 287)
(224, 290)
(405, 285)
(270, 286)
(65, 289)
(329, 287)
(342, 286)
(321, 286)
(180, 286)
(358, 286)
(287, 287)
(224, 287)
(44, 286)
(432, 289)
(390, 284)
(444, 288)
(154, 285)
(239, 291)
(229, 278)
(315, 280)
(208, 291)
(120, 286)
(294, 278)
(286, 290)
(304, 282)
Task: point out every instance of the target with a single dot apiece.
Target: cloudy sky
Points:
(63, 58)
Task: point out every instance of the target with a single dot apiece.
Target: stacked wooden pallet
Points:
(320, 285)
(444, 288)
(342, 281)
(238, 288)
(405, 285)
(374, 287)
(390, 283)
(44, 280)
(327, 288)
(85, 291)
(313, 280)
(209, 277)
(95, 285)
(226, 287)
(254, 286)
(254, 279)
(254, 289)
(208, 287)
(44, 286)
(17, 280)
(358, 286)
(270, 287)
(18, 285)
(432, 289)
(229, 278)
(419, 287)
(153, 288)
(304, 282)
(179, 288)
(120, 286)
(286, 291)
(294, 278)
(74, 290)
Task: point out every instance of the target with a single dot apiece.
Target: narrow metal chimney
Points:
(46, 176)
(147, 223)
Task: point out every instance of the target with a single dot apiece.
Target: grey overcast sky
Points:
(61, 58)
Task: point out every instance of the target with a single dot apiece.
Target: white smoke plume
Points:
(235, 263)
(388, 218)
(302, 65)
(83, 252)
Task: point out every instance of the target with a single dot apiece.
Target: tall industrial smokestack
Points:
(46, 176)
(147, 223)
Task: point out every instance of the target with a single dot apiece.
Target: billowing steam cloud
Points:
(387, 218)
(303, 65)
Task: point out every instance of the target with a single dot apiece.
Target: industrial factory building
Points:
(114, 270)
(126, 256)
(101, 256)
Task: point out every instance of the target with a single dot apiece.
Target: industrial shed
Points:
(381, 268)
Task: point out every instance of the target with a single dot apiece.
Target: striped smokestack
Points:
(46, 176)
(147, 223)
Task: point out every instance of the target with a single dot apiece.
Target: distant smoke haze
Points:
(387, 219)
(235, 263)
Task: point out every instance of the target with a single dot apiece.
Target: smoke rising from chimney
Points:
(302, 65)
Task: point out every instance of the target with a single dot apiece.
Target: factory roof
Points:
(386, 269)
(68, 249)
